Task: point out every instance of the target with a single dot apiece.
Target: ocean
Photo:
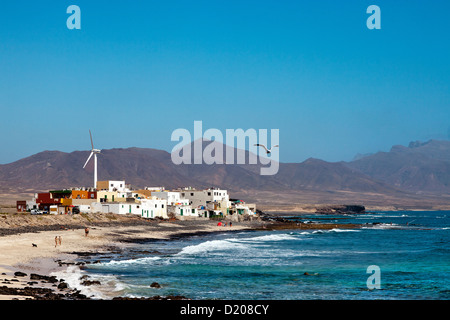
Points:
(409, 249)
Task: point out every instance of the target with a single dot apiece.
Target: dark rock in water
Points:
(77, 296)
(62, 285)
(90, 282)
(155, 285)
(20, 274)
(35, 276)
(42, 293)
(342, 209)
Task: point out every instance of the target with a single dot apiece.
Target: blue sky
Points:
(138, 70)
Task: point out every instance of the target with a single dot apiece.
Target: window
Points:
(209, 193)
(121, 185)
(156, 206)
(192, 194)
(112, 185)
(162, 206)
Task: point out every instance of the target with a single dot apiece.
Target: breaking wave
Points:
(125, 263)
(208, 246)
(74, 277)
(269, 237)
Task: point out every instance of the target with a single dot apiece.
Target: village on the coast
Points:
(112, 196)
(150, 202)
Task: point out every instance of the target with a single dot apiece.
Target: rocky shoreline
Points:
(60, 290)
(38, 289)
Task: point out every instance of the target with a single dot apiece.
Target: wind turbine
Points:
(93, 152)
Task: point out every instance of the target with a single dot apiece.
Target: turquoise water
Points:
(410, 248)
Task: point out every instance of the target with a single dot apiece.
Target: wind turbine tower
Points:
(93, 152)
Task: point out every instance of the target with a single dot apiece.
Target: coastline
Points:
(27, 271)
(21, 262)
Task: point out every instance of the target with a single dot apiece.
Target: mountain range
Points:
(418, 171)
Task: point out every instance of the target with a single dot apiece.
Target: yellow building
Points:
(107, 196)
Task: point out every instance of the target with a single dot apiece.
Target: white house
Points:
(152, 208)
(172, 197)
(31, 204)
(147, 208)
(112, 186)
(114, 207)
(183, 210)
(200, 198)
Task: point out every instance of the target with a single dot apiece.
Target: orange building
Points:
(81, 194)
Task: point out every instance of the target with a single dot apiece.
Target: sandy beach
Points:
(30, 251)
(38, 253)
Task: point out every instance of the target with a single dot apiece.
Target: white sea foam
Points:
(144, 261)
(384, 226)
(234, 244)
(209, 246)
(73, 277)
(267, 238)
(343, 230)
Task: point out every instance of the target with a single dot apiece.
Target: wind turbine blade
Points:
(90, 156)
(92, 143)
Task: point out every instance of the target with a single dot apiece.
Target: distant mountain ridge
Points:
(418, 168)
(422, 167)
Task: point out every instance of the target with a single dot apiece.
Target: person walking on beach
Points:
(59, 240)
(56, 241)
(86, 231)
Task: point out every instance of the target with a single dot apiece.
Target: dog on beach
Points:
(34, 245)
